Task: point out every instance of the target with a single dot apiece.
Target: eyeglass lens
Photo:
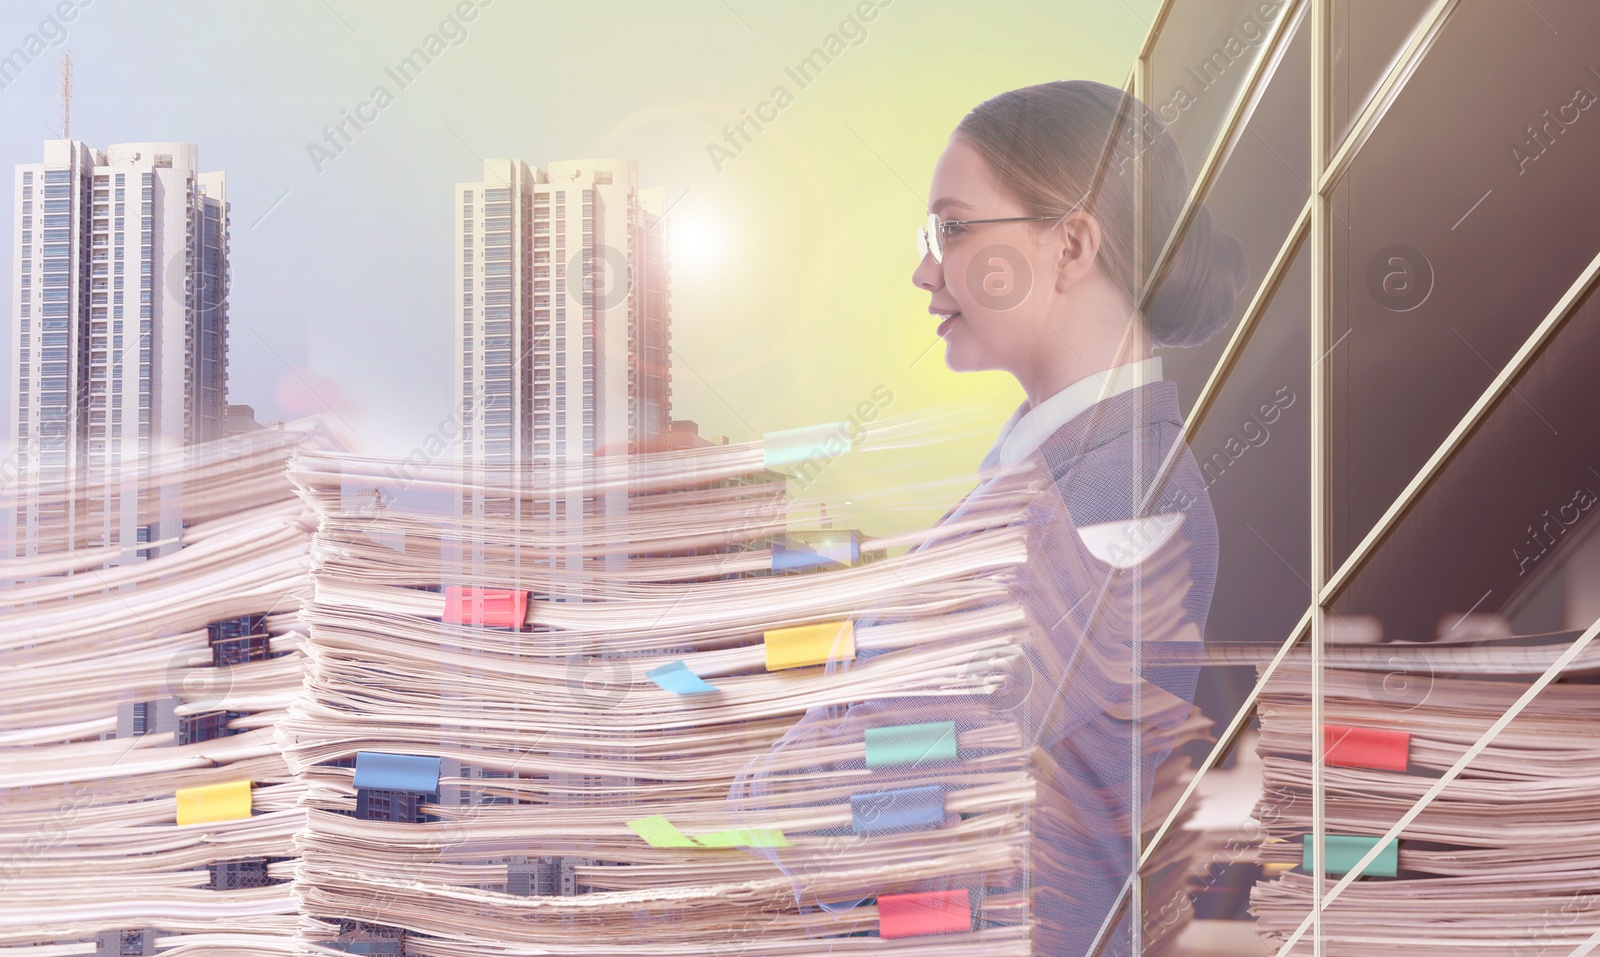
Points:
(929, 239)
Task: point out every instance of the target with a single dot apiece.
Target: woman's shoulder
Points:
(1124, 458)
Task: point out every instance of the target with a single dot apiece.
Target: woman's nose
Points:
(928, 275)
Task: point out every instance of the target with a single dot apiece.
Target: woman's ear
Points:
(1077, 245)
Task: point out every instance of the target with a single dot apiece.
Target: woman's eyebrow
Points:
(946, 201)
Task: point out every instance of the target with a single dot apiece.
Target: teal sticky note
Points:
(809, 441)
(676, 677)
(1345, 850)
(911, 744)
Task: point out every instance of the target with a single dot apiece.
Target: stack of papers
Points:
(1499, 861)
(142, 791)
(585, 713)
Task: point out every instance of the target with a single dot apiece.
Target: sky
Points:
(791, 260)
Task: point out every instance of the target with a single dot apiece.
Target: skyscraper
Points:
(120, 317)
(563, 313)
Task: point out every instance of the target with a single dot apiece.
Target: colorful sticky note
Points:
(485, 607)
(657, 831)
(397, 772)
(816, 548)
(676, 677)
(806, 645)
(911, 744)
(1345, 850)
(744, 837)
(930, 912)
(790, 557)
(214, 802)
(786, 447)
(906, 809)
(1377, 748)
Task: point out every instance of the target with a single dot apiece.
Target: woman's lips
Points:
(944, 326)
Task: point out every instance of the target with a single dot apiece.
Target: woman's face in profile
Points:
(995, 278)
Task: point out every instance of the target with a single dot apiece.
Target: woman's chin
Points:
(955, 361)
(958, 358)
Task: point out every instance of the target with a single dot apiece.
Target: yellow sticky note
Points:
(214, 802)
(810, 645)
(657, 831)
(746, 837)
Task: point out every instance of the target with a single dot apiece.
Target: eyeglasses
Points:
(930, 237)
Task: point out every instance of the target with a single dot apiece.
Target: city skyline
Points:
(538, 246)
(790, 266)
(119, 331)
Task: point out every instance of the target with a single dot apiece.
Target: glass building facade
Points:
(1400, 443)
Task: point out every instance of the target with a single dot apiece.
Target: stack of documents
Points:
(143, 797)
(608, 710)
(1499, 861)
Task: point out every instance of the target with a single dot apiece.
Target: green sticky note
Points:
(1345, 850)
(746, 837)
(657, 831)
(911, 744)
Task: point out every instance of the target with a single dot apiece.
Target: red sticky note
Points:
(930, 912)
(487, 607)
(1365, 747)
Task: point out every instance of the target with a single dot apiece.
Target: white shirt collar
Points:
(1027, 428)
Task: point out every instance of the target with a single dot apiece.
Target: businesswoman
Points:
(1028, 261)
(1029, 265)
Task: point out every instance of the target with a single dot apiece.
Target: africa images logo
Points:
(999, 278)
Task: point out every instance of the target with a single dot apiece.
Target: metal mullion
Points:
(1404, 66)
(1228, 736)
(1154, 33)
(1486, 402)
(1321, 511)
(1259, 303)
(1222, 146)
(1141, 228)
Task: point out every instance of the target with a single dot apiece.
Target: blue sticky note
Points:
(397, 772)
(786, 557)
(676, 677)
(906, 809)
(816, 548)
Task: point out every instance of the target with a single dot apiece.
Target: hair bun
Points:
(1199, 289)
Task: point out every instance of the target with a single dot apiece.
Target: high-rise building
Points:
(120, 319)
(563, 313)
